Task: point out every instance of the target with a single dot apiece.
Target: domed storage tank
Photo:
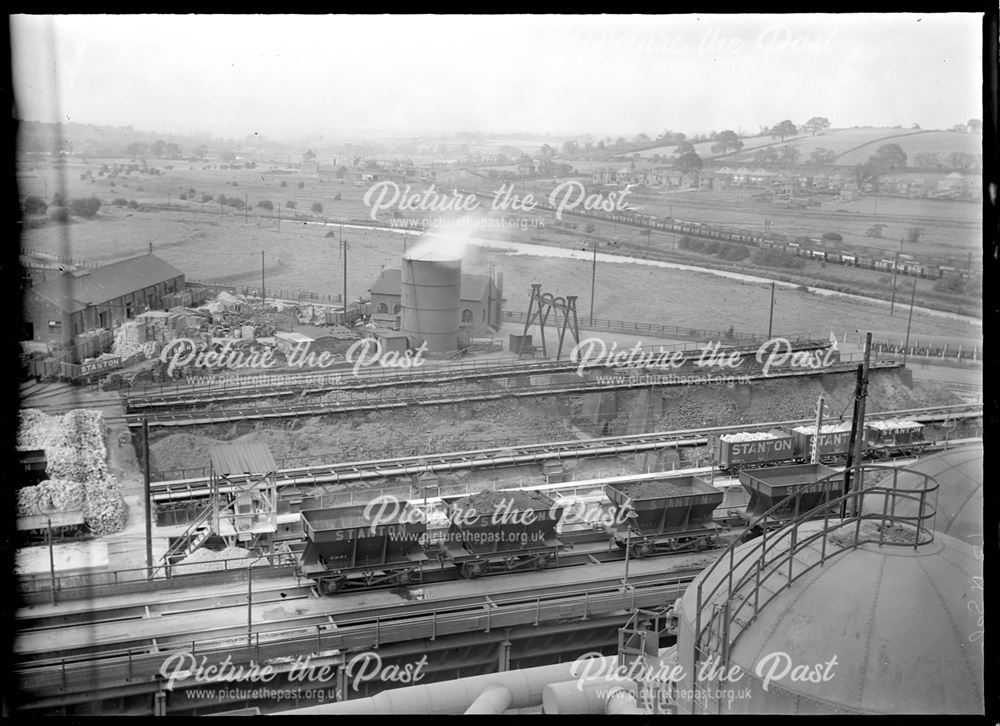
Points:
(959, 473)
(431, 285)
(865, 619)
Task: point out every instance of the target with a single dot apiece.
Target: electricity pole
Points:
(909, 321)
(892, 303)
(819, 428)
(262, 279)
(858, 423)
(343, 246)
(770, 317)
(147, 503)
(593, 281)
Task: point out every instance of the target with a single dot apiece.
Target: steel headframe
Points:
(541, 305)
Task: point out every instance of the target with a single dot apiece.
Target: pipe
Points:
(621, 702)
(493, 701)
(574, 697)
(455, 696)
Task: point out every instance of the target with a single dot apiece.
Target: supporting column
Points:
(341, 683)
(503, 662)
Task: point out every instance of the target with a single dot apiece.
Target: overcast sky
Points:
(607, 75)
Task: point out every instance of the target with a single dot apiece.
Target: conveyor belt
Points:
(403, 400)
(529, 454)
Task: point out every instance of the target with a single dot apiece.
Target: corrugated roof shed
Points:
(73, 293)
(231, 459)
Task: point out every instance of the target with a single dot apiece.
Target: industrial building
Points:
(59, 309)
(478, 307)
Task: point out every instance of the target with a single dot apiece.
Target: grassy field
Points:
(226, 249)
(224, 244)
(951, 230)
(942, 142)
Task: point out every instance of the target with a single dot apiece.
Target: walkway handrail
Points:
(760, 562)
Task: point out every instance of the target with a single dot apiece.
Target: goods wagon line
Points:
(234, 415)
(177, 489)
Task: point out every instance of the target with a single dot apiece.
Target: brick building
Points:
(58, 310)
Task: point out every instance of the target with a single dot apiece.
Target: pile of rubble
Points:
(77, 468)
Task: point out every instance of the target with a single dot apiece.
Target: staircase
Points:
(194, 537)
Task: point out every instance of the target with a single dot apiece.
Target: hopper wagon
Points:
(346, 550)
(793, 487)
(501, 531)
(672, 514)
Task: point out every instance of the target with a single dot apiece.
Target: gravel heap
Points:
(889, 424)
(513, 500)
(826, 429)
(77, 467)
(748, 436)
(658, 489)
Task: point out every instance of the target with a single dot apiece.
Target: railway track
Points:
(342, 379)
(125, 659)
(586, 548)
(405, 400)
(353, 471)
(186, 606)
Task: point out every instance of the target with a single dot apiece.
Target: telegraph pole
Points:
(262, 279)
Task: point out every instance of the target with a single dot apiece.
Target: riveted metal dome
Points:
(867, 628)
(959, 474)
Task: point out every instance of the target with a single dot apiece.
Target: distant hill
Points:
(852, 146)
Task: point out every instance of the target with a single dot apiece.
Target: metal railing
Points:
(744, 584)
(656, 329)
(134, 664)
(69, 584)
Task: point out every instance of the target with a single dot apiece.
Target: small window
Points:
(467, 316)
(55, 323)
(396, 309)
(383, 308)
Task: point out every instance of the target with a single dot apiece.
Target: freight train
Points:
(880, 439)
(810, 248)
(360, 547)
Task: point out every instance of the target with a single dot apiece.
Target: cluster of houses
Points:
(915, 185)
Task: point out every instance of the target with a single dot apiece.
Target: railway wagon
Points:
(672, 514)
(346, 550)
(834, 441)
(768, 487)
(33, 467)
(501, 531)
(894, 437)
(743, 449)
